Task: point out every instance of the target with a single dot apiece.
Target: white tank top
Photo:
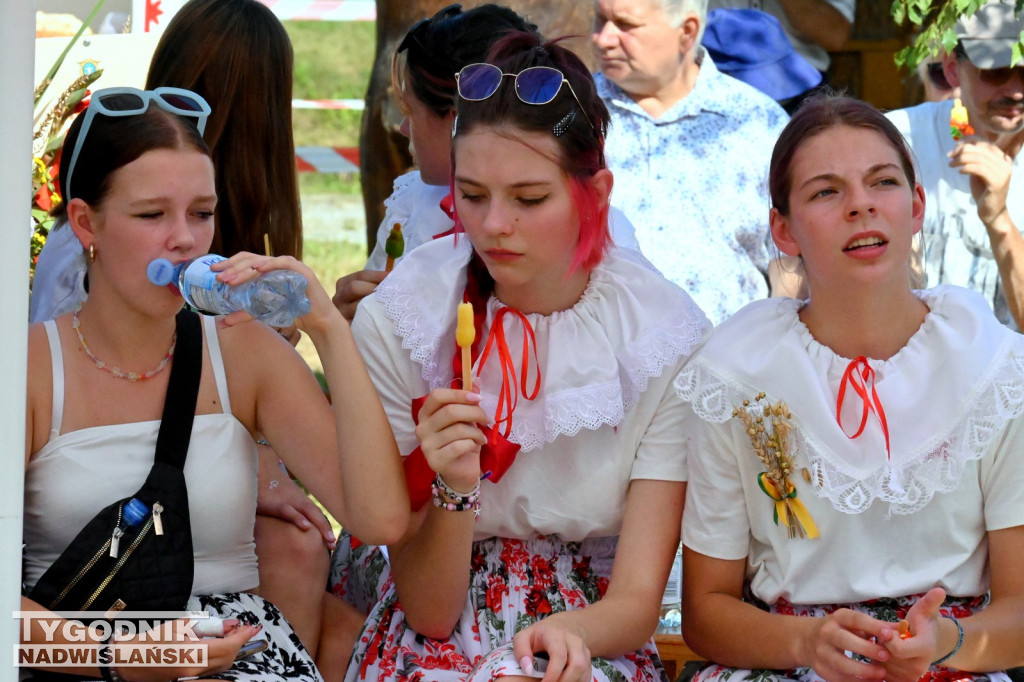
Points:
(77, 474)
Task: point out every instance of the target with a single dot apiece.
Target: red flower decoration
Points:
(537, 603)
(496, 590)
(543, 574)
(42, 198)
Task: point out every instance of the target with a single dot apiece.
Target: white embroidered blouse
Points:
(893, 522)
(606, 411)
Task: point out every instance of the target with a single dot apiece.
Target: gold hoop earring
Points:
(92, 253)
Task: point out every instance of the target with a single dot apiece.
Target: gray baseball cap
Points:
(989, 34)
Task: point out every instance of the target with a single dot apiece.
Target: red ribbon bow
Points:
(498, 453)
(496, 456)
(447, 204)
(508, 397)
(861, 377)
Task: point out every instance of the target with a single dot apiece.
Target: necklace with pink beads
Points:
(116, 371)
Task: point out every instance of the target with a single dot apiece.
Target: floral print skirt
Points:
(891, 610)
(359, 573)
(513, 584)
(284, 659)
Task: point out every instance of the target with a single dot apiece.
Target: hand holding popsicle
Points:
(465, 334)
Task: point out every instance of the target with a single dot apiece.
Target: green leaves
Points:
(937, 18)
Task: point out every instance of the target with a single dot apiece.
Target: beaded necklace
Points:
(116, 371)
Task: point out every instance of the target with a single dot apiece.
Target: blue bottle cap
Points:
(161, 272)
(135, 510)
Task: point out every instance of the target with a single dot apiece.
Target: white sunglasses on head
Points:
(116, 102)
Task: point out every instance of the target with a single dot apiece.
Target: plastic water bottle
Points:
(275, 298)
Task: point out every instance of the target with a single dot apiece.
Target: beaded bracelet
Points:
(959, 641)
(455, 501)
(106, 652)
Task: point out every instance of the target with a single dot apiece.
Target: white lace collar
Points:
(946, 394)
(595, 358)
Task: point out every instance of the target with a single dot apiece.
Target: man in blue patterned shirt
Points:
(689, 148)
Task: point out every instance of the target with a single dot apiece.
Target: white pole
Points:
(17, 35)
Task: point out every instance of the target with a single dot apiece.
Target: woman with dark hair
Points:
(423, 74)
(866, 470)
(138, 184)
(555, 481)
(423, 78)
(236, 55)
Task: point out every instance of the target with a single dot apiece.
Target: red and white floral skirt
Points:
(513, 584)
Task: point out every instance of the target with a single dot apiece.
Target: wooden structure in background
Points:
(865, 66)
(674, 653)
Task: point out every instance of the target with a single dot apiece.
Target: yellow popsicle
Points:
(959, 125)
(465, 334)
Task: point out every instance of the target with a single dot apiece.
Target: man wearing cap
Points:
(689, 147)
(974, 187)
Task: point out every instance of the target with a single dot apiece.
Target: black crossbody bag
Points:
(136, 554)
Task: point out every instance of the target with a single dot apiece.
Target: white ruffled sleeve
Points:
(417, 207)
(397, 380)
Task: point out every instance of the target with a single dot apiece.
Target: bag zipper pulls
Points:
(158, 522)
(115, 542)
(133, 512)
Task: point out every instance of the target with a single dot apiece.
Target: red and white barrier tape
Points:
(327, 159)
(323, 10)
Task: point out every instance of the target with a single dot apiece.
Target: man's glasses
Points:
(994, 77)
(536, 85)
(413, 36)
(116, 102)
(1000, 76)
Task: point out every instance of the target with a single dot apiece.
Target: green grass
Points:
(333, 259)
(330, 261)
(333, 60)
(328, 183)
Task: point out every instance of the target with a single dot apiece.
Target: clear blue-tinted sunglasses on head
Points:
(535, 85)
(116, 102)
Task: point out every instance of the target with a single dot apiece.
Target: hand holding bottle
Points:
(245, 267)
(275, 298)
